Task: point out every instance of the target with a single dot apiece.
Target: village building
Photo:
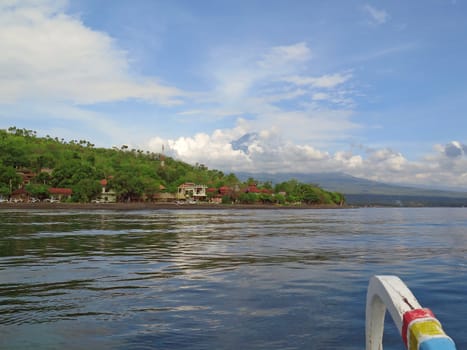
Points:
(26, 175)
(213, 195)
(19, 195)
(164, 197)
(225, 191)
(190, 191)
(107, 195)
(60, 194)
(252, 188)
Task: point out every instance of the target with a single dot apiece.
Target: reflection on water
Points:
(280, 279)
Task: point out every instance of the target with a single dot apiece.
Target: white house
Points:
(190, 191)
(107, 195)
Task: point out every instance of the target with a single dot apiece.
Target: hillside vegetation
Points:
(134, 175)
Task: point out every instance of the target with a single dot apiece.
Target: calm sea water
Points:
(221, 279)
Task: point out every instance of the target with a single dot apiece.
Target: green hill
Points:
(34, 165)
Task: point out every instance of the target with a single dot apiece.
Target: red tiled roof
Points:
(252, 189)
(63, 191)
(19, 192)
(224, 189)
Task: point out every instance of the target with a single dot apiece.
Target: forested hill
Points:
(36, 164)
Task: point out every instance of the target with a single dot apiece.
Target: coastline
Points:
(155, 206)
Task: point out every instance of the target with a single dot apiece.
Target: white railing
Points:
(418, 327)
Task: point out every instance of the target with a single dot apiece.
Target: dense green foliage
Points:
(134, 175)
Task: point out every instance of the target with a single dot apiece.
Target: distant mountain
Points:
(244, 142)
(366, 192)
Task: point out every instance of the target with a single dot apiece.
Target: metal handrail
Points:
(418, 327)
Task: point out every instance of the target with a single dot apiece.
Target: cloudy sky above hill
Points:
(375, 89)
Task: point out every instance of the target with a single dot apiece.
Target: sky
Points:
(374, 89)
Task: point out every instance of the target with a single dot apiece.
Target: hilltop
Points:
(77, 171)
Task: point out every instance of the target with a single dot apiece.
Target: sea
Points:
(223, 278)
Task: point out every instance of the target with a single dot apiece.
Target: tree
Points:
(14, 152)
(4, 190)
(43, 178)
(266, 198)
(248, 198)
(150, 187)
(337, 198)
(128, 186)
(290, 186)
(39, 191)
(43, 161)
(71, 172)
(86, 190)
(309, 196)
(280, 198)
(9, 180)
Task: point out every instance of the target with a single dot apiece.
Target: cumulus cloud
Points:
(214, 149)
(268, 151)
(50, 55)
(270, 135)
(387, 159)
(444, 167)
(261, 151)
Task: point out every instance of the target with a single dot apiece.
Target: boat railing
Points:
(418, 327)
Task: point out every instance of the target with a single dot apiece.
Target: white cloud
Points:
(377, 16)
(268, 151)
(239, 72)
(50, 55)
(320, 96)
(270, 88)
(263, 151)
(325, 81)
(315, 126)
(282, 55)
(214, 149)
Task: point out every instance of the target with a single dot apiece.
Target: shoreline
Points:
(156, 206)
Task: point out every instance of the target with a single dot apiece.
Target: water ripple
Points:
(220, 278)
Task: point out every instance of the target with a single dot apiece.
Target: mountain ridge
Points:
(360, 191)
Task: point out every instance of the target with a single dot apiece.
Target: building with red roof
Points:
(107, 195)
(225, 190)
(191, 191)
(59, 193)
(252, 189)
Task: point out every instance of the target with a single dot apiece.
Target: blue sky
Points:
(375, 89)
